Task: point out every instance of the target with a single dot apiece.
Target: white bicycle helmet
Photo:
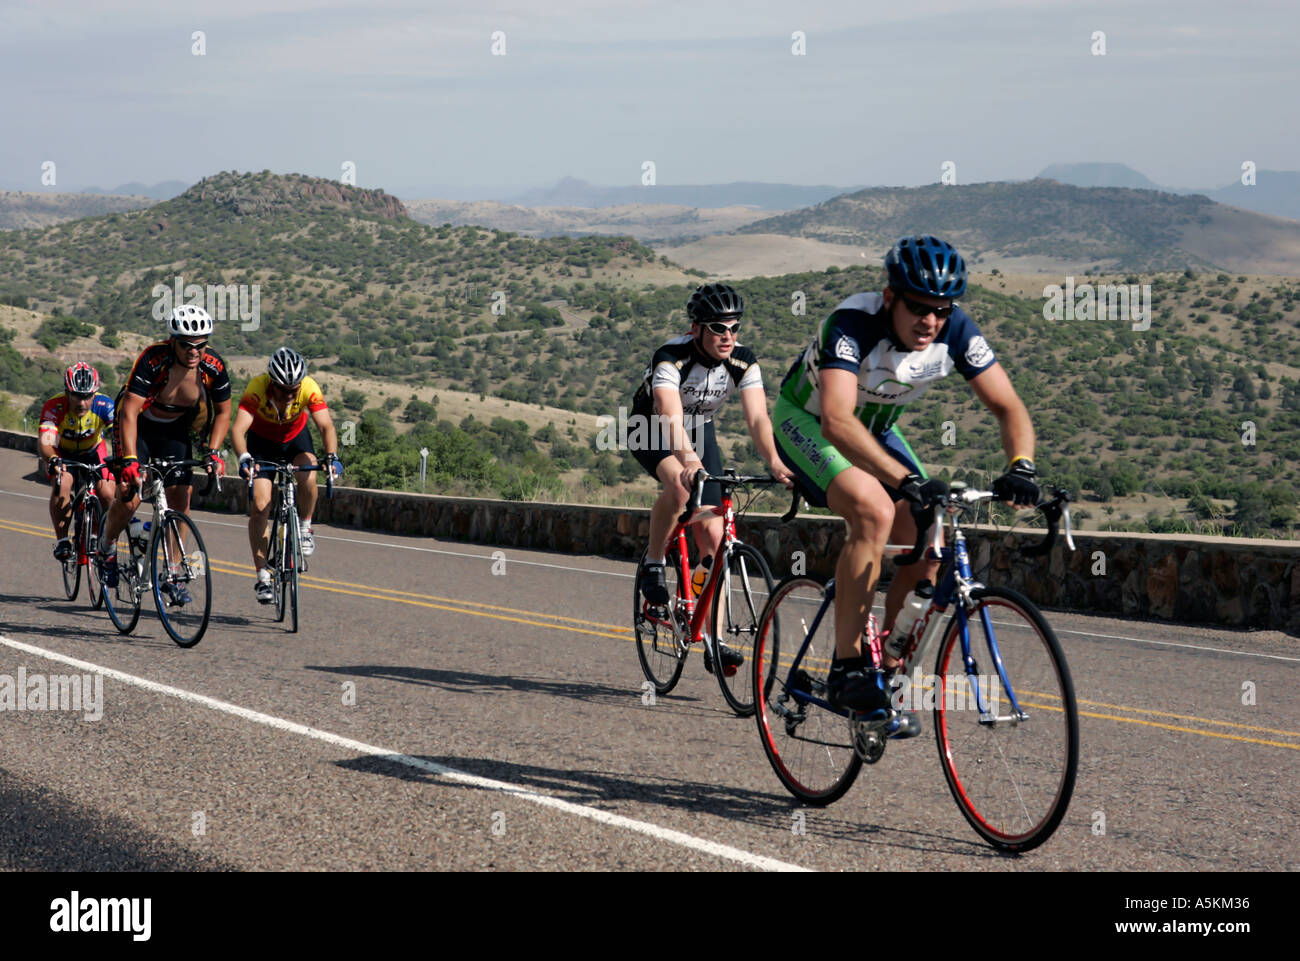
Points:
(187, 320)
(287, 368)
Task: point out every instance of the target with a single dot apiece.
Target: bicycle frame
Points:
(695, 613)
(956, 583)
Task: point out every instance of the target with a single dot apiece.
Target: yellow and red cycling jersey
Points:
(76, 434)
(280, 424)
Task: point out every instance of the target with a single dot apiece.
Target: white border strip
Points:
(604, 817)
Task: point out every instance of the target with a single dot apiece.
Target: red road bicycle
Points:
(738, 585)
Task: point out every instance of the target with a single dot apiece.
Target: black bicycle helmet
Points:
(926, 265)
(711, 301)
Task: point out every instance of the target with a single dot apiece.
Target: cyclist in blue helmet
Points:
(836, 429)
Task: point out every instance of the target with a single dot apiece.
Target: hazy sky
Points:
(412, 94)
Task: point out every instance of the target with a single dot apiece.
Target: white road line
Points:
(604, 817)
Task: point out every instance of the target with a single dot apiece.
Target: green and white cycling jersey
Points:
(859, 336)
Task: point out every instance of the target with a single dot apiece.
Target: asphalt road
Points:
(433, 714)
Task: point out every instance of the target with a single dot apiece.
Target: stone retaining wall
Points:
(1215, 580)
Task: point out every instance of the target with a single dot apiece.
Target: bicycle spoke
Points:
(1011, 774)
(811, 748)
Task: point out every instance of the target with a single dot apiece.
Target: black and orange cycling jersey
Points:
(149, 376)
(280, 423)
(75, 434)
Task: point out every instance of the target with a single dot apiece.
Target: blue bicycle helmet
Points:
(926, 265)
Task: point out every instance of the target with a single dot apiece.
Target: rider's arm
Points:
(220, 424)
(993, 388)
(47, 443)
(239, 432)
(754, 404)
(839, 393)
(132, 404)
(328, 435)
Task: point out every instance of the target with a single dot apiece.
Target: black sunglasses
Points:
(721, 329)
(925, 310)
(193, 347)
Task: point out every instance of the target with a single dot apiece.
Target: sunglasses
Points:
(191, 346)
(76, 396)
(721, 329)
(925, 310)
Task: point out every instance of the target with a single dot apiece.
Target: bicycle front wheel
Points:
(743, 589)
(123, 601)
(275, 562)
(809, 746)
(88, 549)
(72, 566)
(182, 586)
(659, 634)
(1011, 774)
(293, 561)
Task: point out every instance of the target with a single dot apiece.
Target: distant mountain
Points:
(20, 210)
(658, 223)
(1099, 175)
(1046, 225)
(570, 192)
(1275, 192)
(160, 191)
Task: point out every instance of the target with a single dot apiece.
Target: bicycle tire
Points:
(744, 590)
(294, 556)
(123, 601)
(185, 627)
(275, 562)
(658, 644)
(1012, 780)
(89, 549)
(809, 747)
(71, 567)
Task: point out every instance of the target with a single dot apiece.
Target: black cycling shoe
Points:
(856, 687)
(653, 586)
(731, 659)
(62, 549)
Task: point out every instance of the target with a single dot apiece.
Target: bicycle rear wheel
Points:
(809, 747)
(88, 549)
(72, 566)
(1013, 778)
(659, 633)
(123, 601)
(743, 589)
(182, 587)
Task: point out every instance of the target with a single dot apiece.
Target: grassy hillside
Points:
(373, 297)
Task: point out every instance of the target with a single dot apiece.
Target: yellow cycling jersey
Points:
(272, 422)
(76, 434)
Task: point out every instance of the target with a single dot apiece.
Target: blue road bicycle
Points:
(1003, 702)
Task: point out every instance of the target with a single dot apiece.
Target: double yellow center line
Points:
(560, 622)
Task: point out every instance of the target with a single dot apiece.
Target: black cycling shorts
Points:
(281, 453)
(708, 452)
(169, 439)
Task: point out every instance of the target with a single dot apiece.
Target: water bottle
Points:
(701, 575)
(138, 531)
(913, 608)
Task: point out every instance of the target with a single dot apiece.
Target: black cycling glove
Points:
(1019, 484)
(922, 492)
